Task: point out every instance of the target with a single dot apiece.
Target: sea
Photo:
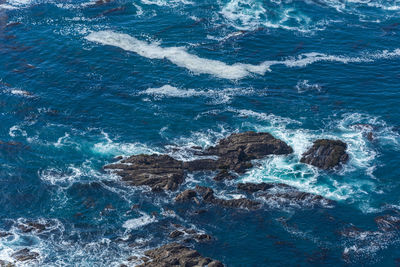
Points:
(82, 83)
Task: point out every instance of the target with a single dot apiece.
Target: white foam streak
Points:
(180, 57)
(218, 96)
(136, 223)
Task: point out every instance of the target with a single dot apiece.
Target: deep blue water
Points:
(81, 83)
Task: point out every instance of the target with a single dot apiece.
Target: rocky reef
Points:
(175, 254)
(326, 154)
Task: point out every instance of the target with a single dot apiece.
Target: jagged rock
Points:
(201, 165)
(186, 195)
(283, 193)
(234, 153)
(4, 234)
(160, 172)
(251, 187)
(175, 254)
(388, 223)
(208, 197)
(237, 150)
(4, 263)
(25, 255)
(326, 154)
(176, 234)
(251, 145)
(32, 226)
(224, 175)
(202, 237)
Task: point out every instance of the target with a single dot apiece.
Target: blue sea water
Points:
(83, 82)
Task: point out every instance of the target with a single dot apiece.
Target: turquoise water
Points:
(81, 83)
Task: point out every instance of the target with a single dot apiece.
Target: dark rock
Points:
(201, 165)
(4, 263)
(237, 150)
(176, 234)
(4, 234)
(186, 195)
(251, 187)
(160, 172)
(32, 226)
(208, 197)
(25, 255)
(175, 254)
(326, 154)
(238, 203)
(224, 175)
(287, 194)
(250, 145)
(388, 223)
(202, 237)
(206, 193)
(132, 258)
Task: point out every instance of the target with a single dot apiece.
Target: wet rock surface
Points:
(4, 263)
(237, 150)
(25, 255)
(326, 154)
(32, 226)
(388, 223)
(206, 195)
(252, 187)
(160, 172)
(175, 254)
(186, 195)
(4, 234)
(282, 193)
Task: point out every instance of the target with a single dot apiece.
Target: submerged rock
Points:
(175, 254)
(160, 172)
(4, 234)
(326, 154)
(208, 197)
(283, 193)
(25, 255)
(388, 223)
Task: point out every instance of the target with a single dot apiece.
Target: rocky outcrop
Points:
(186, 195)
(234, 153)
(388, 223)
(4, 234)
(160, 172)
(224, 175)
(32, 226)
(283, 193)
(206, 195)
(251, 187)
(4, 263)
(175, 254)
(25, 255)
(326, 154)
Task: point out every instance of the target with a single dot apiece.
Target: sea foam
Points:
(198, 65)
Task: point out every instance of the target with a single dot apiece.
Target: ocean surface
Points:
(83, 82)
